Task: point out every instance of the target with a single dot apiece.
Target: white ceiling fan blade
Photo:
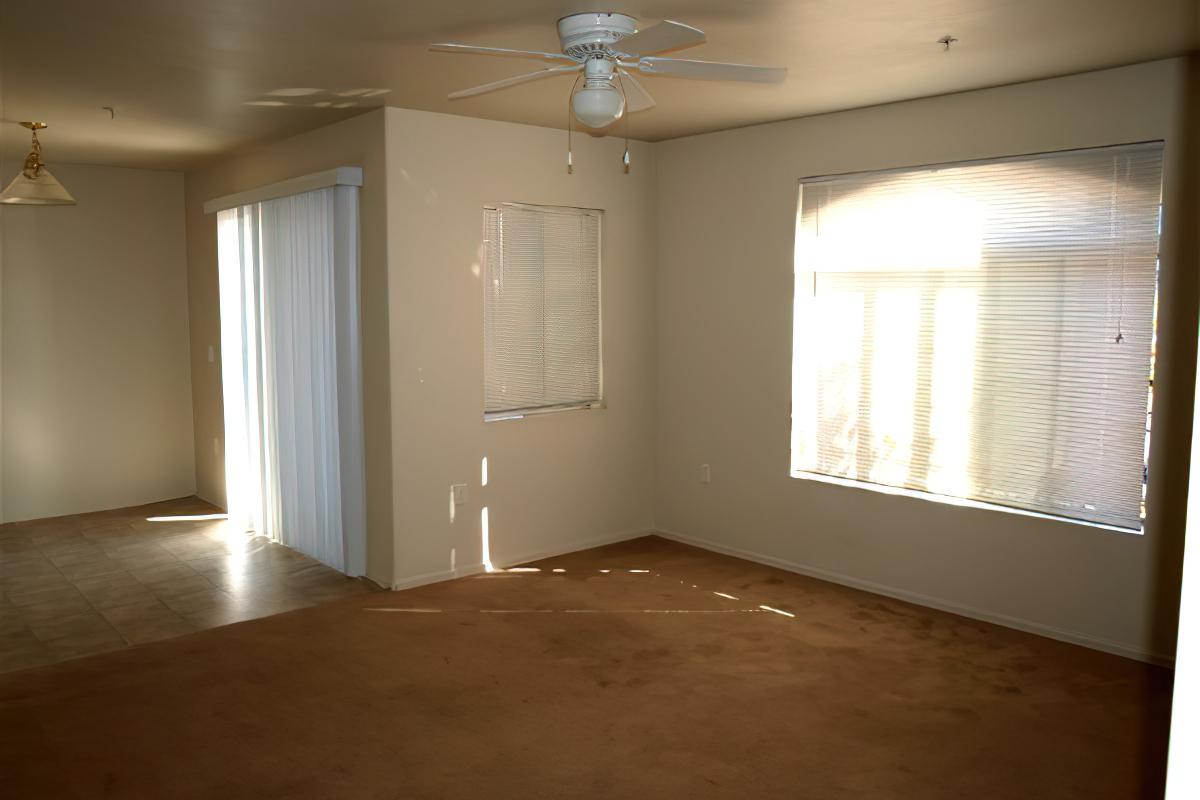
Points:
(666, 35)
(710, 70)
(636, 97)
(513, 81)
(450, 47)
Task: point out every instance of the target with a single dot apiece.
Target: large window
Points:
(982, 331)
(541, 276)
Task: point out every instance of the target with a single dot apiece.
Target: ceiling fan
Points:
(606, 49)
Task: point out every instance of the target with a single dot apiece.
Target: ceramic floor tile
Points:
(138, 630)
(145, 608)
(12, 548)
(121, 545)
(96, 582)
(90, 569)
(203, 600)
(72, 625)
(27, 566)
(86, 644)
(26, 657)
(190, 585)
(62, 545)
(79, 555)
(11, 621)
(16, 587)
(228, 615)
(38, 593)
(247, 585)
(145, 559)
(194, 551)
(174, 571)
(114, 590)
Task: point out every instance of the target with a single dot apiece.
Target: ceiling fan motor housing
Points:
(608, 48)
(593, 34)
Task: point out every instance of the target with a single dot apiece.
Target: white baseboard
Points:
(1028, 626)
(413, 581)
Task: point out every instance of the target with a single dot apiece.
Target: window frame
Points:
(802, 277)
(601, 401)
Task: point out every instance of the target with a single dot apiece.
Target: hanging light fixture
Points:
(34, 185)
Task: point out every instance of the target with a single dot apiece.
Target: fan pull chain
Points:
(624, 113)
(570, 121)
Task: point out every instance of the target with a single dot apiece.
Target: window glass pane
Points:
(982, 330)
(541, 308)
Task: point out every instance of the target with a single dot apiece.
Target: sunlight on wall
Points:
(484, 543)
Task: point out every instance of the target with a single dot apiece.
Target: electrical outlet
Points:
(705, 473)
(212, 354)
(459, 491)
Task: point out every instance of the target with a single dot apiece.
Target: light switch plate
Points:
(705, 473)
(460, 493)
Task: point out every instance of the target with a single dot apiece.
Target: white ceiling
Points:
(180, 74)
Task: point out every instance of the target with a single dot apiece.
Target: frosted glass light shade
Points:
(597, 106)
(43, 190)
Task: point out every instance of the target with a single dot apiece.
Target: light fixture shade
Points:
(597, 106)
(41, 190)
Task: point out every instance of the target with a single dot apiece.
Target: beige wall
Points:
(697, 336)
(726, 205)
(558, 481)
(96, 397)
(355, 142)
(1183, 770)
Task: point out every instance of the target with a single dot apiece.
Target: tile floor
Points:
(84, 584)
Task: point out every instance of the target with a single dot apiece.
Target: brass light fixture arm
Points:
(33, 161)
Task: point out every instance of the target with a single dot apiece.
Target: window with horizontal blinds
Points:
(983, 330)
(541, 308)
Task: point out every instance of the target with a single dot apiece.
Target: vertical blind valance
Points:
(541, 308)
(982, 330)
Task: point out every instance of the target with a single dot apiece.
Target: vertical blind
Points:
(288, 271)
(982, 330)
(541, 308)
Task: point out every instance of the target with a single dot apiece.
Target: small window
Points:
(541, 275)
(982, 331)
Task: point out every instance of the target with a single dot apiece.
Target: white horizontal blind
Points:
(983, 330)
(541, 308)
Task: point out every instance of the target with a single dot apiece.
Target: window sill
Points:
(522, 413)
(956, 501)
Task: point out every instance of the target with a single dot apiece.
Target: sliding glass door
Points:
(291, 372)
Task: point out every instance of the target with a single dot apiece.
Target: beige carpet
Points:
(593, 682)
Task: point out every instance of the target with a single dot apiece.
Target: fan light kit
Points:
(603, 50)
(34, 185)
